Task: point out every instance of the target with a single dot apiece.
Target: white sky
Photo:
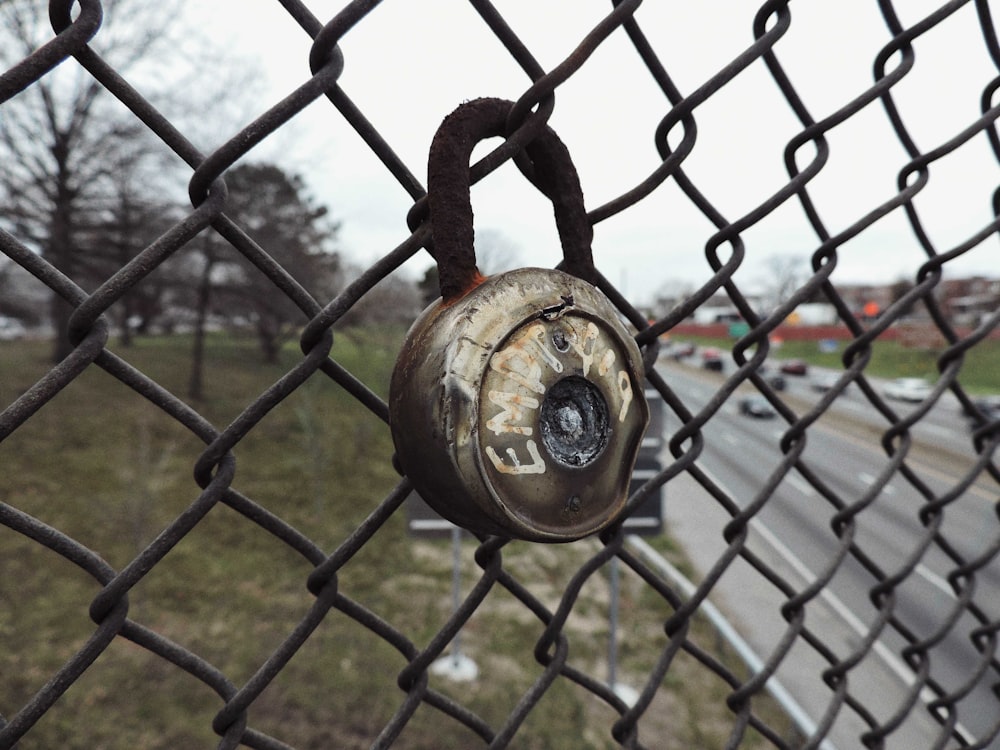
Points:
(409, 63)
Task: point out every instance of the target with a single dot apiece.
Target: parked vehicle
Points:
(794, 367)
(757, 407)
(908, 389)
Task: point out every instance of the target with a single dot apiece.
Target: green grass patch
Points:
(980, 371)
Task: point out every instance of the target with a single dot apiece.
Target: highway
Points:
(792, 533)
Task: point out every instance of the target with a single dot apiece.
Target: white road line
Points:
(937, 430)
(800, 484)
(784, 697)
(868, 480)
(922, 570)
(892, 662)
(855, 407)
(934, 579)
(974, 489)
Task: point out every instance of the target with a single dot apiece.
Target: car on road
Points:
(908, 389)
(681, 349)
(988, 406)
(712, 363)
(824, 381)
(710, 352)
(794, 367)
(711, 359)
(757, 407)
(773, 379)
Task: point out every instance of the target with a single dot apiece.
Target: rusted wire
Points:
(969, 622)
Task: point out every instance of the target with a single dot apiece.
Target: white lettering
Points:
(538, 335)
(607, 362)
(537, 465)
(512, 407)
(585, 348)
(515, 363)
(625, 386)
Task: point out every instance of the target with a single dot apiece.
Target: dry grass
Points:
(102, 465)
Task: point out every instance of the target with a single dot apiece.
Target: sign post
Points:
(456, 665)
(647, 520)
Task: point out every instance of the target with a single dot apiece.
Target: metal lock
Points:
(516, 402)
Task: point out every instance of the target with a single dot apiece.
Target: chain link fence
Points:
(850, 541)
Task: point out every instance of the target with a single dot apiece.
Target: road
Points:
(792, 534)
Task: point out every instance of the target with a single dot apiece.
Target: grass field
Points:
(980, 373)
(105, 467)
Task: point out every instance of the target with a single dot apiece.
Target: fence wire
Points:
(884, 641)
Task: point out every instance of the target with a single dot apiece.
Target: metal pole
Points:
(456, 588)
(455, 665)
(613, 624)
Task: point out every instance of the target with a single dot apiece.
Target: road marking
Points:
(854, 407)
(922, 570)
(730, 438)
(784, 697)
(894, 663)
(868, 480)
(800, 484)
(934, 579)
(911, 462)
(936, 429)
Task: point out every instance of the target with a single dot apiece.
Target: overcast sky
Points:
(410, 62)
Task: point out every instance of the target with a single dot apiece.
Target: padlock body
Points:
(518, 409)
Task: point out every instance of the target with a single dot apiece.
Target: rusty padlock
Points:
(516, 402)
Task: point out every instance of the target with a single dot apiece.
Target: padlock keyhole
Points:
(574, 421)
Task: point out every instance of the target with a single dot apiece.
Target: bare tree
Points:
(495, 253)
(275, 210)
(208, 246)
(21, 296)
(63, 139)
(394, 300)
(133, 215)
(778, 277)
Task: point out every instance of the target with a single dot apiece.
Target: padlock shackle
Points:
(450, 200)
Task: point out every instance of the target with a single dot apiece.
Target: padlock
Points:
(516, 402)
